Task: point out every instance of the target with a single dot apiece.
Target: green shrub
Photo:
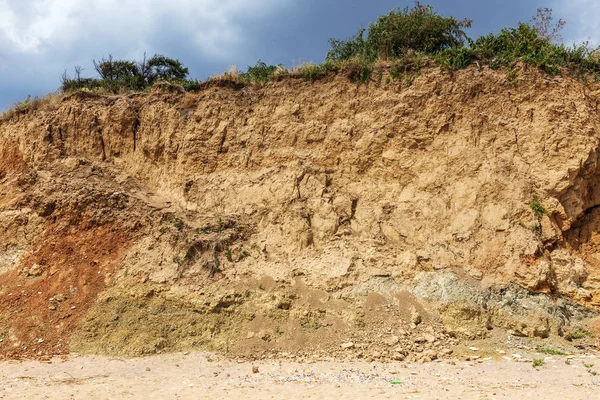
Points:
(313, 71)
(260, 74)
(550, 351)
(456, 58)
(116, 76)
(417, 29)
(421, 30)
(519, 44)
(538, 209)
(347, 49)
(359, 70)
(524, 44)
(579, 333)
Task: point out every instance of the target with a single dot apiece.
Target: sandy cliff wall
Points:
(292, 205)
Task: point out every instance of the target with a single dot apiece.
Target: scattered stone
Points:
(391, 341)
(447, 352)
(415, 317)
(347, 346)
(34, 271)
(473, 349)
(60, 297)
(255, 369)
(541, 331)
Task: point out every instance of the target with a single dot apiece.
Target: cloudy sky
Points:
(41, 38)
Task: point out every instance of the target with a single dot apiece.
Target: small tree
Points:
(116, 70)
(117, 75)
(418, 29)
(161, 67)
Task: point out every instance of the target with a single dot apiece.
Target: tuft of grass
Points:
(455, 58)
(545, 350)
(358, 70)
(204, 229)
(579, 333)
(261, 73)
(176, 222)
(587, 365)
(537, 362)
(512, 76)
(49, 101)
(538, 209)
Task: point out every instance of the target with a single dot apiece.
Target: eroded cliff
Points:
(302, 217)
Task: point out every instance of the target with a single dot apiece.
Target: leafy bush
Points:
(549, 351)
(417, 29)
(123, 75)
(519, 44)
(261, 73)
(346, 49)
(420, 30)
(358, 70)
(456, 58)
(579, 333)
(538, 209)
(162, 68)
(524, 44)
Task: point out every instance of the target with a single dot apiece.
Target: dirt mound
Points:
(381, 221)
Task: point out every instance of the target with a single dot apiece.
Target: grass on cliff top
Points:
(408, 38)
(29, 104)
(396, 47)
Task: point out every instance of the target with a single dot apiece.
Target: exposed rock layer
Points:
(268, 218)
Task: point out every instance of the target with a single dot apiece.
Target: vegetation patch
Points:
(537, 362)
(406, 38)
(579, 333)
(552, 352)
(538, 209)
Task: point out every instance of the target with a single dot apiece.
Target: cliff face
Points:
(301, 215)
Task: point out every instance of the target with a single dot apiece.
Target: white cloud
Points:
(582, 17)
(38, 26)
(40, 38)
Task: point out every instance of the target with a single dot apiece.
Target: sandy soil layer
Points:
(201, 375)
